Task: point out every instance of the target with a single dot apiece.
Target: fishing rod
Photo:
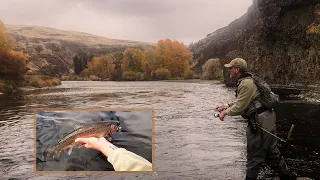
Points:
(216, 115)
(285, 147)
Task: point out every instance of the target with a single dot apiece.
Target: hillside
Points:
(51, 50)
(278, 38)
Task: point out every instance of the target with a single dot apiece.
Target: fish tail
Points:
(56, 155)
(48, 151)
(52, 151)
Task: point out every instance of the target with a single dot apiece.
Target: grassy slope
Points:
(51, 50)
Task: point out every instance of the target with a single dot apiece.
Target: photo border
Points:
(94, 172)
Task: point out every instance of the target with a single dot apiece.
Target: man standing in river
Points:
(261, 146)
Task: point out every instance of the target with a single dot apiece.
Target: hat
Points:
(237, 62)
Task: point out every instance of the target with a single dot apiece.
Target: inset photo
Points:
(94, 140)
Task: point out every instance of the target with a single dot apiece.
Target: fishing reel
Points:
(217, 114)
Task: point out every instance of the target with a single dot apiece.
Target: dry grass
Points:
(41, 81)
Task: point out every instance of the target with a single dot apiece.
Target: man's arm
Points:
(124, 160)
(246, 92)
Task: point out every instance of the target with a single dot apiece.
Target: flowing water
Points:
(189, 142)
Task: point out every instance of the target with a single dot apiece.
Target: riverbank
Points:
(28, 81)
(313, 95)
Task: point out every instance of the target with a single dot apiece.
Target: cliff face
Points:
(51, 50)
(280, 39)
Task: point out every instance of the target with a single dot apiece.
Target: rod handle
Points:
(290, 131)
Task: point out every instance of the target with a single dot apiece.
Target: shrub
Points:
(188, 74)
(212, 70)
(42, 81)
(139, 76)
(5, 87)
(132, 76)
(37, 82)
(161, 74)
(56, 82)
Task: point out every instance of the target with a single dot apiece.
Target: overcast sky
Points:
(141, 20)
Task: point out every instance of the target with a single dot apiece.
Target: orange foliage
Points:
(175, 56)
(12, 63)
(101, 67)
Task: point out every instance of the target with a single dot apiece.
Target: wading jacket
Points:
(246, 92)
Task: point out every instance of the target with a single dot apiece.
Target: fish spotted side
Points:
(100, 129)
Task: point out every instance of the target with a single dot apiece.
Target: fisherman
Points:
(261, 146)
(120, 158)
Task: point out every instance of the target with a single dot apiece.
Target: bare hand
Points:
(221, 107)
(222, 115)
(100, 144)
(92, 142)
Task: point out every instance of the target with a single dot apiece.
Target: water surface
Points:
(189, 142)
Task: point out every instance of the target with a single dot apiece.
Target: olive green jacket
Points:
(247, 91)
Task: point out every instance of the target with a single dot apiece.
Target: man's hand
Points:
(222, 115)
(100, 144)
(221, 107)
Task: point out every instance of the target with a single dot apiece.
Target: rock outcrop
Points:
(280, 39)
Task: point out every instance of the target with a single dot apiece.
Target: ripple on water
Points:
(188, 137)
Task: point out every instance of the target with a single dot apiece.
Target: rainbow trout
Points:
(100, 129)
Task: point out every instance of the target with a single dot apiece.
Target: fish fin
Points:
(57, 156)
(70, 150)
(109, 138)
(49, 151)
(81, 145)
(78, 125)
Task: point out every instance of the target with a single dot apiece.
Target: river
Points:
(189, 142)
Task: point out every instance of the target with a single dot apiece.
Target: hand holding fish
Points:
(100, 144)
(120, 158)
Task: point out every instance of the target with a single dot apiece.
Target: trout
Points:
(100, 129)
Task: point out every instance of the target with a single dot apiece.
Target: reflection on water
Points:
(189, 142)
(54, 125)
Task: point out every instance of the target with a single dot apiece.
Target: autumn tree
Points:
(133, 60)
(4, 38)
(175, 56)
(153, 62)
(101, 67)
(12, 63)
(117, 58)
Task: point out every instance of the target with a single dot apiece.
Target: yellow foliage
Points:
(313, 29)
(12, 63)
(133, 60)
(4, 38)
(101, 67)
(175, 56)
(153, 60)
